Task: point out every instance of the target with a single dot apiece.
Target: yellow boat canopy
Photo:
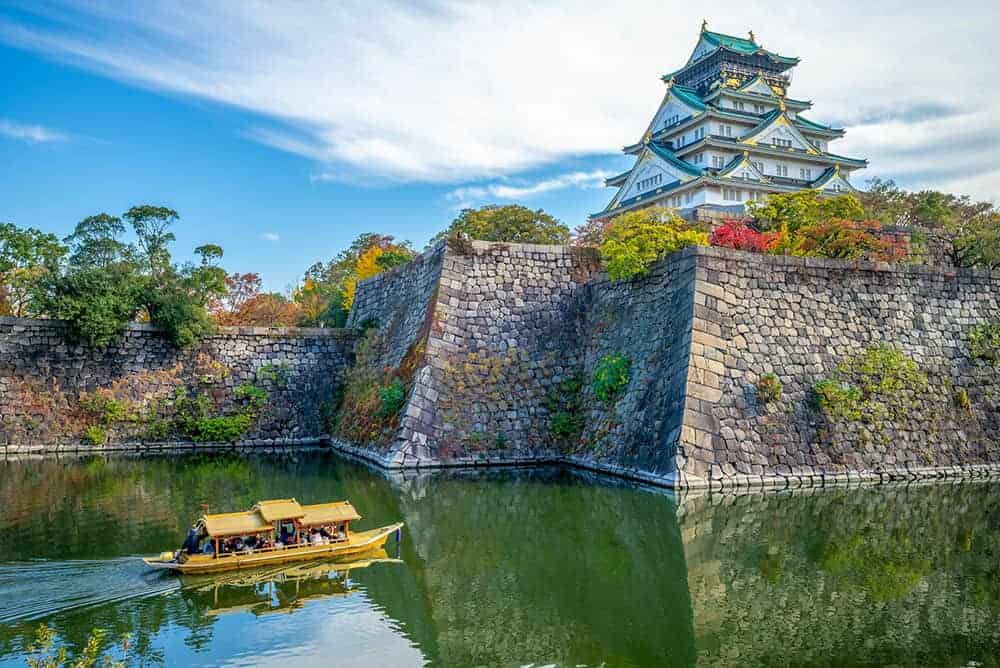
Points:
(329, 513)
(261, 517)
(234, 524)
(279, 509)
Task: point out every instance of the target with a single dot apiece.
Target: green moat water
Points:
(508, 568)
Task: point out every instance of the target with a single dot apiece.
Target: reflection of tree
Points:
(543, 568)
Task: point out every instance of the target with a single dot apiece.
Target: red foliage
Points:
(850, 240)
(737, 234)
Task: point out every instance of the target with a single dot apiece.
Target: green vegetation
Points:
(196, 416)
(807, 224)
(635, 240)
(105, 283)
(611, 376)
(563, 404)
(95, 435)
(971, 228)
(880, 383)
(42, 652)
(26, 255)
(769, 388)
(391, 398)
(962, 400)
(512, 223)
(103, 406)
(984, 343)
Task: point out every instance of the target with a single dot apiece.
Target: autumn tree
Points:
(327, 290)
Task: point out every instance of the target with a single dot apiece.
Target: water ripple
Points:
(36, 589)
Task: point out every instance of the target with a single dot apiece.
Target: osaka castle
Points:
(726, 133)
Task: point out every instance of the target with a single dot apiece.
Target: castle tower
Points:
(727, 133)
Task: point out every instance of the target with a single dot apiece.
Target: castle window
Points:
(732, 195)
(650, 182)
(718, 161)
(758, 109)
(781, 143)
(737, 105)
(688, 197)
(806, 174)
(781, 170)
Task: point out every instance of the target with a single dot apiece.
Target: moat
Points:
(506, 568)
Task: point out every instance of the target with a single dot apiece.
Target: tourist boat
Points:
(273, 532)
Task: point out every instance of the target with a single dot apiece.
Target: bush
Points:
(611, 376)
(566, 426)
(984, 343)
(391, 398)
(962, 400)
(221, 428)
(95, 435)
(801, 209)
(769, 388)
(512, 223)
(634, 240)
(871, 386)
(846, 240)
(738, 235)
(103, 406)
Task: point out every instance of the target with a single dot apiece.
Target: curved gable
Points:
(779, 127)
(758, 86)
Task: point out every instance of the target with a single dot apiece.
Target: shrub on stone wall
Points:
(881, 383)
(769, 388)
(635, 240)
(984, 343)
(738, 235)
(611, 376)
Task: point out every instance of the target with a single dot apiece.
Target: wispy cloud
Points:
(471, 195)
(273, 237)
(34, 134)
(507, 87)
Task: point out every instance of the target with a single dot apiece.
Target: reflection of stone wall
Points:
(873, 576)
(505, 324)
(42, 378)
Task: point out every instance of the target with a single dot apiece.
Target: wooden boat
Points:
(272, 532)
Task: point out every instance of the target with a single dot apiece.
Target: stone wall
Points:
(43, 379)
(508, 325)
(799, 318)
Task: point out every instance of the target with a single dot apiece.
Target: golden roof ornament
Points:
(752, 38)
(782, 105)
(704, 25)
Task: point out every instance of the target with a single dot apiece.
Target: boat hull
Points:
(362, 541)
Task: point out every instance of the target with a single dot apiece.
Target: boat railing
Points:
(274, 548)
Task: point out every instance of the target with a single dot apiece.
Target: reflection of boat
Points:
(277, 589)
(272, 532)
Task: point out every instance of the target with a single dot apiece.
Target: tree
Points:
(513, 223)
(25, 256)
(327, 291)
(636, 239)
(240, 289)
(806, 207)
(105, 283)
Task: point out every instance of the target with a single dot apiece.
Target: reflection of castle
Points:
(283, 588)
(727, 133)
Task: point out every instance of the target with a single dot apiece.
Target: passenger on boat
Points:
(191, 542)
(208, 548)
(315, 538)
(287, 534)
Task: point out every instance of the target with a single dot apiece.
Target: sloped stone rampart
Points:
(42, 378)
(508, 323)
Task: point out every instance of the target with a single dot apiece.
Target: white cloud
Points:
(470, 195)
(35, 134)
(273, 237)
(451, 92)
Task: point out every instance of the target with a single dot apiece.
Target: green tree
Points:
(106, 283)
(513, 223)
(800, 209)
(25, 256)
(636, 239)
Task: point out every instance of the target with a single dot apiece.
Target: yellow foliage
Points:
(366, 267)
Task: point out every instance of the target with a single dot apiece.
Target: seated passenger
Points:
(191, 542)
(315, 538)
(208, 548)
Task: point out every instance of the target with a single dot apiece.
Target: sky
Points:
(282, 130)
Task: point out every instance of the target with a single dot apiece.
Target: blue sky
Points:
(282, 131)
